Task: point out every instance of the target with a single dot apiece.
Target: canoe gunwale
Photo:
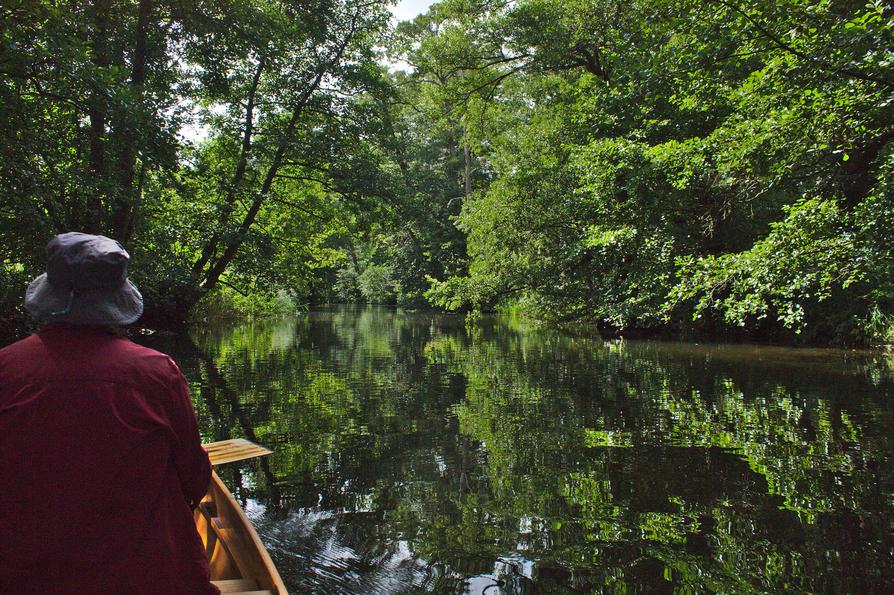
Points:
(219, 518)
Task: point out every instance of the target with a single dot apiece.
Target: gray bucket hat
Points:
(85, 283)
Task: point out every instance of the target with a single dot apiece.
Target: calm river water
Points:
(415, 453)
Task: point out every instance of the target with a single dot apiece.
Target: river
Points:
(414, 453)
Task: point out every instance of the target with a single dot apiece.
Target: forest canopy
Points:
(720, 167)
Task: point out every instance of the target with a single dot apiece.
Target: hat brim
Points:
(117, 307)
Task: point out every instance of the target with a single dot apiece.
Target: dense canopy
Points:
(714, 167)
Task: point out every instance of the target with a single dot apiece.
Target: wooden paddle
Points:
(237, 449)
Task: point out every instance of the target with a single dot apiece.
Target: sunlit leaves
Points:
(694, 140)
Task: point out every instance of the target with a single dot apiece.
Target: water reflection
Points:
(414, 453)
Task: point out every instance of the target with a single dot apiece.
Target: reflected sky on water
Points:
(414, 452)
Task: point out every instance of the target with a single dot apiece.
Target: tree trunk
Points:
(241, 166)
(212, 276)
(236, 242)
(126, 200)
(90, 220)
(467, 170)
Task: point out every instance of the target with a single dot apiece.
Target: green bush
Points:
(375, 284)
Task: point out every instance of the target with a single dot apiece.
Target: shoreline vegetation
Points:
(692, 170)
(13, 329)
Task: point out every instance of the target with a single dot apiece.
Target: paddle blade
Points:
(237, 449)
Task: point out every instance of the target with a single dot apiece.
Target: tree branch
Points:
(777, 41)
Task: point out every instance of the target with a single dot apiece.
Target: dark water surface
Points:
(414, 453)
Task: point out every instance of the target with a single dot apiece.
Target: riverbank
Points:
(17, 325)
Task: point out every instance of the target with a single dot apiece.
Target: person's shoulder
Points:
(147, 359)
(19, 346)
(16, 360)
(137, 350)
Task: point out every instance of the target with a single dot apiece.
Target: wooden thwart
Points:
(236, 585)
(238, 449)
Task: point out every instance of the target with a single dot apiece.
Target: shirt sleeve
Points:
(190, 459)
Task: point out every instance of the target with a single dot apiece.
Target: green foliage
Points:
(225, 303)
(660, 165)
(375, 284)
(345, 287)
(96, 101)
(818, 254)
(683, 165)
(799, 264)
(13, 320)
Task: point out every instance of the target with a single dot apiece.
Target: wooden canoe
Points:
(239, 561)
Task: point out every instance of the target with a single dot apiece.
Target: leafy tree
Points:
(94, 97)
(660, 141)
(652, 165)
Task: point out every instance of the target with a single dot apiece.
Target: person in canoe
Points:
(100, 455)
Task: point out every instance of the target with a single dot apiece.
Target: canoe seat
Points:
(235, 585)
(240, 587)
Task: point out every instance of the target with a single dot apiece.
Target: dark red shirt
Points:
(100, 461)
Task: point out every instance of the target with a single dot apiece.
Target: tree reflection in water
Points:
(414, 452)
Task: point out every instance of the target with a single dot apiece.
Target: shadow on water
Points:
(415, 453)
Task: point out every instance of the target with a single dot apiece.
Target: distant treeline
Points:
(720, 167)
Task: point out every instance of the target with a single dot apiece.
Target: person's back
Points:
(100, 462)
